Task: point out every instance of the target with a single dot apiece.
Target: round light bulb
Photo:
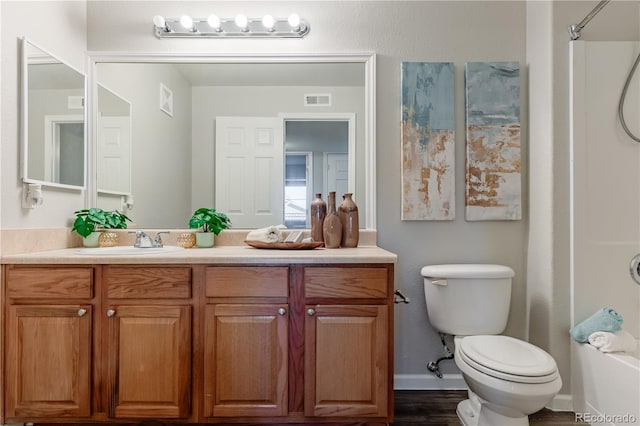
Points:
(242, 21)
(213, 21)
(186, 22)
(268, 22)
(159, 21)
(294, 20)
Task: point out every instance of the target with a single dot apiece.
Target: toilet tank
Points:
(468, 299)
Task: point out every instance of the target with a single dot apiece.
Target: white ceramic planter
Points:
(205, 239)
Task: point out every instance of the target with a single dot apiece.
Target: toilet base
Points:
(474, 413)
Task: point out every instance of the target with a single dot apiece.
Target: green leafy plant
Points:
(94, 219)
(209, 220)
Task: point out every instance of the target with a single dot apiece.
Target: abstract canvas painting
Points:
(428, 141)
(493, 166)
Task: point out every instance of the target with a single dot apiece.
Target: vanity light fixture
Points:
(242, 22)
(238, 27)
(268, 22)
(159, 22)
(214, 22)
(187, 23)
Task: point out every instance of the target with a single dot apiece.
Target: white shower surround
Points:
(605, 222)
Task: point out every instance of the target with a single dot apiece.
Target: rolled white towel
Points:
(619, 341)
(270, 234)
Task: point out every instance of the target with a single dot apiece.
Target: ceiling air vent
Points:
(317, 100)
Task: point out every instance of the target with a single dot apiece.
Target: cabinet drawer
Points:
(258, 281)
(148, 283)
(351, 282)
(38, 283)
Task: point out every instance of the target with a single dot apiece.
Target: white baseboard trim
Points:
(428, 382)
(561, 402)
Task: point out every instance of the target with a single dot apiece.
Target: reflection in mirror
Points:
(316, 157)
(53, 135)
(180, 162)
(113, 140)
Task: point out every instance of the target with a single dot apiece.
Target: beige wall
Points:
(534, 34)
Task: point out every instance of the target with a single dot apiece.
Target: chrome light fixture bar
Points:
(237, 27)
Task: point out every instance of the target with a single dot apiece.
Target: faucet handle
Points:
(158, 241)
(142, 239)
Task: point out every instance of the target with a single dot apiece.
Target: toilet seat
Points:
(507, 358)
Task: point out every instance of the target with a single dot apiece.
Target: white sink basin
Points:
(126, 250)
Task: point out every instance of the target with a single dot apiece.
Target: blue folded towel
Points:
(605, 319)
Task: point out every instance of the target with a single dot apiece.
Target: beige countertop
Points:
(226, 254)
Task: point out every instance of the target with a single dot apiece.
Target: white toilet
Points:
(508, 379)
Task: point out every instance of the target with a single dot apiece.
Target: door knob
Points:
(311, 312)
(81, 312)
(282, 312)
(111, 312)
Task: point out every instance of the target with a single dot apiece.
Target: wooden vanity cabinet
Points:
(246, 342)
(260, 344)
(48, 340)
(334, 323)
(149, 316)
(348, 357)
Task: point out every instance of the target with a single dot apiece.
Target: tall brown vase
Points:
(332, 226)
(348, 213)
(318, 213)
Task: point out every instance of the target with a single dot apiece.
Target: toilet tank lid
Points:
(467, 270)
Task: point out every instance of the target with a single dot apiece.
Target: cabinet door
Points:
(48, 361)
(149, 361)
(346, 361)
(245, 366)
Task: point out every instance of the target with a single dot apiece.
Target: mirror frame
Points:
(368, 59)
(24, 121)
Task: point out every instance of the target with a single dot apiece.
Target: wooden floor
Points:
(431, 408)
(423, 408)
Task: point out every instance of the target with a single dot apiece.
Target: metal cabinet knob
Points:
(81, 312)
(311, 312)
(282, 312)
(111, 312)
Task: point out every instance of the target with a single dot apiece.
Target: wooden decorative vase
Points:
(318, 213)
(332, 226)
(348, 213)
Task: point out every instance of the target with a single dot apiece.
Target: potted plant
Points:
(89, 224)
(211, 222)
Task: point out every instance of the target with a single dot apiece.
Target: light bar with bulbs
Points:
(238, 27)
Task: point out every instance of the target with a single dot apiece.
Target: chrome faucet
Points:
(158, 241)
(144, 241)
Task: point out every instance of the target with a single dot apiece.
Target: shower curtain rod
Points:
(574, 30)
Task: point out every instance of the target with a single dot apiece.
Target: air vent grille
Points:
(323, 99)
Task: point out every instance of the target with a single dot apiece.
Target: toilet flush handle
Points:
(442, 283)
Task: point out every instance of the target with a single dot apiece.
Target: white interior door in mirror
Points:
(64, 149)
(337, 173)
(114, 144)
(250, 170)
(114, 154)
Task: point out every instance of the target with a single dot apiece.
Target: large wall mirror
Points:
(53, 144)
(255, 137)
